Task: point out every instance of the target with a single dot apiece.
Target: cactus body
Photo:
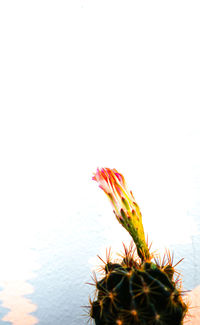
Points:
(143, 293)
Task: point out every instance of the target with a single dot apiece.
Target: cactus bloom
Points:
(125, 207)
(134, 291)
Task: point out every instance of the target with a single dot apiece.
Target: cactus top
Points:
(125, 207)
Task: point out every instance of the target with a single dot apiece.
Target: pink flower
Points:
(114, 185)
(124, 204)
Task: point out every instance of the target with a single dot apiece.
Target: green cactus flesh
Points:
(133, 292)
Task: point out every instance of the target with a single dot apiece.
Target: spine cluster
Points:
(142, 293)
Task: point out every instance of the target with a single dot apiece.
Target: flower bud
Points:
(125, 207)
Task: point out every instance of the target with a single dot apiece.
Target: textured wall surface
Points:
(87, 84)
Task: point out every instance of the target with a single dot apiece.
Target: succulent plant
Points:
(139, 289)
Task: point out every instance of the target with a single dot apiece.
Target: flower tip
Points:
(94, 178)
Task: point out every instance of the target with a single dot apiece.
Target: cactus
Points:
(135, 292)
(141, 289)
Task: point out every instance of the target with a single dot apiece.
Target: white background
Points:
(87, 84)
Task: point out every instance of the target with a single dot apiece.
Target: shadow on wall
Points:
(194, 303)
(190, 266)
(189, 269)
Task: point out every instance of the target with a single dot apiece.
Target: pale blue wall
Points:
(87, 84)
